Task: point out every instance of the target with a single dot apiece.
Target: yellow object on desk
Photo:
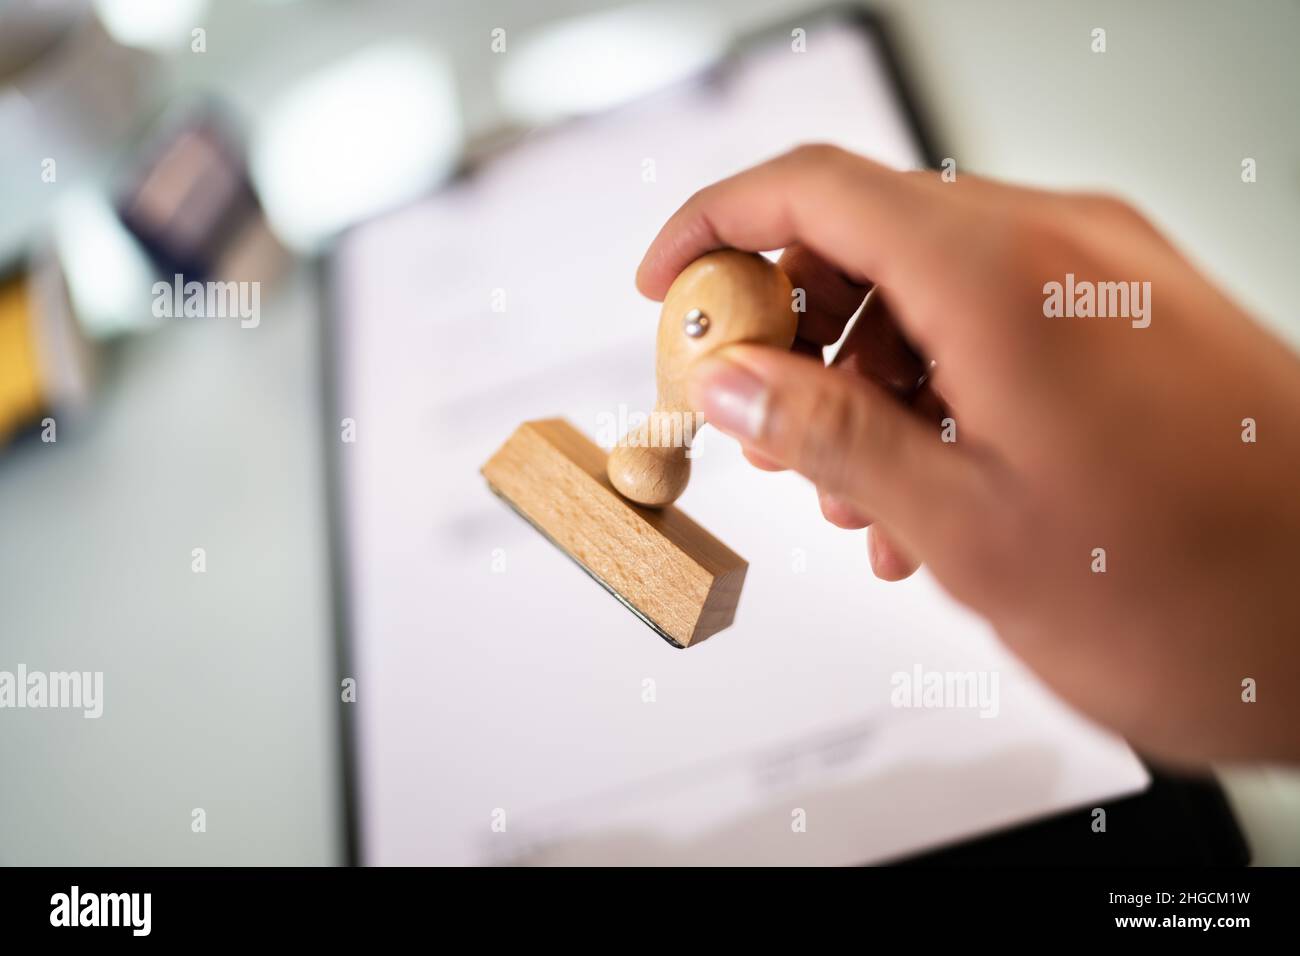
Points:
(20, 378)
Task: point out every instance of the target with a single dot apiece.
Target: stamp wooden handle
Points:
(721, 298)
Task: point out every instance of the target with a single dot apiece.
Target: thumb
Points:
(845, 434)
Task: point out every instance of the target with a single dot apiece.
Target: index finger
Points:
(871, 222)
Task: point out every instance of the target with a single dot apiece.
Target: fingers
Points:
(860, 217)
(829, 210)
(827, 297)
(876, 349)
(851, 439)
(841, 513)
(889, 562)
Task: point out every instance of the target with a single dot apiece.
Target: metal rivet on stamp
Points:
(696, 324)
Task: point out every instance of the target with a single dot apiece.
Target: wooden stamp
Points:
(614, 515)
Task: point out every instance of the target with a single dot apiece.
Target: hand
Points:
(1080, 444)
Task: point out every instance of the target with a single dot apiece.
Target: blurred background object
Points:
(46, 363)
(144, 137)
(598, 61)
(191, 198)
(161, 25)
(70, 97)
(359, 136)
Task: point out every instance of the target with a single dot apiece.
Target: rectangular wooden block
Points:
(669, 571)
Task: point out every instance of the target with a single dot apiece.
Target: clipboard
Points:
(471, 379)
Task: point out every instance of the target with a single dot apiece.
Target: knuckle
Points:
(1109, 211)
(816, 154)
(1017, 247)
(1102, 204)
(1035, 241)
